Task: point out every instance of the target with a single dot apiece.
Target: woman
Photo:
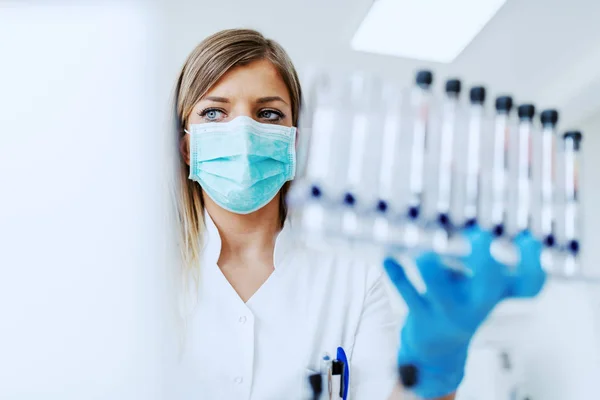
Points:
(266, 308)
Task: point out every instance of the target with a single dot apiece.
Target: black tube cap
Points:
(573, 246)
(549, 117)
(349, 199)
(471, 222)
(444, 220)
(477, 94)
(504, 104)
(526, 111)
(499, 230)
(413, 212)
(424, 78)
(576, 136)
(382, 206)
(453, 86)
(409, 375)
(315, 191)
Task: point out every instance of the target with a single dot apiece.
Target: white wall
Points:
(81, 213)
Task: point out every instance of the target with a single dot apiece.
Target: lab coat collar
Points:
(212, 243)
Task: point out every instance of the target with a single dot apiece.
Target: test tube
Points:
(305, 122)
(389, 186)
(570, 160)
(472, 171)
(444, 175)
(421, 101)
(311, 192)
(393, 118)
(320, 164)
(520, 204)
(365, 102)
(360, 187)
(499, 166)
(544, 174)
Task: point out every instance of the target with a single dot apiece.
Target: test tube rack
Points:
(405, 170)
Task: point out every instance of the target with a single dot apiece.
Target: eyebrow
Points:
(269, 99)
(217, 99)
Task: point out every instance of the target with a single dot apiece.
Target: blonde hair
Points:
(206, 64)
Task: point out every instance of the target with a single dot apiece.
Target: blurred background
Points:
(86, 245)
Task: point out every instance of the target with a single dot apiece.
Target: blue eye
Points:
(271, 115)
(212, 114)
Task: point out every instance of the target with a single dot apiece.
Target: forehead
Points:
(256, 79)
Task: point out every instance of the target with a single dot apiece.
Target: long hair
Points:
(207, 63)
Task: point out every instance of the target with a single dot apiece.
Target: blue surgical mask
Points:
(242, 164)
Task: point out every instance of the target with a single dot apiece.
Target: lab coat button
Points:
(242, 319)
(239, 380)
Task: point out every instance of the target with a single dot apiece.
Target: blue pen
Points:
(341, 355)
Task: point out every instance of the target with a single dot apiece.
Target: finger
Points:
(480, 243)
(439, 279)
(398, 277)
(489, 276)
(529, 276)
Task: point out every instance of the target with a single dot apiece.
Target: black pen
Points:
(337, 373)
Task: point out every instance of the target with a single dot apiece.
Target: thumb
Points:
(398, 277)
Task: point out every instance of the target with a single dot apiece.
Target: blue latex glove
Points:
(442, 321)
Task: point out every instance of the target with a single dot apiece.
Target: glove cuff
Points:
(435, 377)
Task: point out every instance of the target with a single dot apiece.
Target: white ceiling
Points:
(544, 51)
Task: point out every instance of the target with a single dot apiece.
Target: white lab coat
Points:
(263, 349)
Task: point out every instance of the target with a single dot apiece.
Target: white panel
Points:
(81, 223)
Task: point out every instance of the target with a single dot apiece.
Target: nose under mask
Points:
(242, 164)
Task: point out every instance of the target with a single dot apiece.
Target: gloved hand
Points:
(442, 321)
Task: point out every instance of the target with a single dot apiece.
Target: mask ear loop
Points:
(189, 149)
